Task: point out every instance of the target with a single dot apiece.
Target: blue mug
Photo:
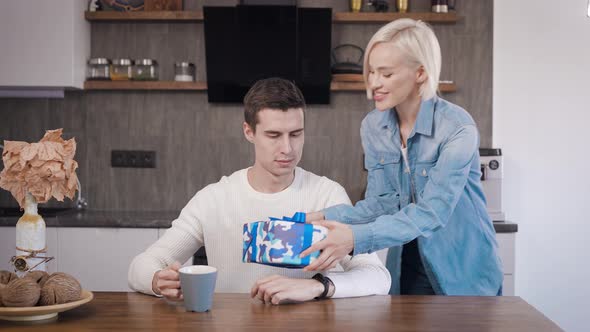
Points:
(198, 285)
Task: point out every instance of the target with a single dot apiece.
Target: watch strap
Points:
(325, 281)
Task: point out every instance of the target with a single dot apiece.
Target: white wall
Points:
(542, 123)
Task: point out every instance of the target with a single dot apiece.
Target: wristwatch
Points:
(325, 281)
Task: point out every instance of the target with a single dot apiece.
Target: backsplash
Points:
(196, 142)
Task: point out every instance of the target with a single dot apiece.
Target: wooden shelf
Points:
(202, 86)
(338, 17)
(145, 85)
(186, 16)
(348, 17)
(360, 86)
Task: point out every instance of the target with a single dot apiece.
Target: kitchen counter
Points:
(144, 219)
(238, 312)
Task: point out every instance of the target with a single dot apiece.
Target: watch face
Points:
(20, 264)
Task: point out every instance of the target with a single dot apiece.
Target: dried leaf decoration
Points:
(45, 169)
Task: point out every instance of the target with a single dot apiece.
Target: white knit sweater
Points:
(214, 217)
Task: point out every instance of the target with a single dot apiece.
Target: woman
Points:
(424, 197)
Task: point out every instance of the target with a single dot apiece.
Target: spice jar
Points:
(440, 6)
(145, 70)
(98, 69)
(184, 72)
(121, 69)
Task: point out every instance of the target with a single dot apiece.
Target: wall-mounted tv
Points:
(246, 43)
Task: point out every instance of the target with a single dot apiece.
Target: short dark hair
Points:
(274, 93)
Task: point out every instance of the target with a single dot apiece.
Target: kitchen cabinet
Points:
(506, 246)
(45, 44)
(100, 257)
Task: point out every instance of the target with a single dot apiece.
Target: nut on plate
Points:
(23, 292)
(60, 288)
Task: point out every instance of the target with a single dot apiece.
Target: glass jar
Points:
(145, 70)
(184, 72)
(98, 69)
(121, 69)
(440, 6)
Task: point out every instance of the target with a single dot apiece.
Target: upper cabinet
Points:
(44, 44)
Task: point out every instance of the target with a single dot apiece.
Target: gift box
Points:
(278, 242)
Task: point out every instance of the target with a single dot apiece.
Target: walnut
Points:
(60, 288)
(39, 276)
(7, 276)
(23, 292)
(2, 286)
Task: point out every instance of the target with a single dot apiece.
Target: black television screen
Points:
(246, 43)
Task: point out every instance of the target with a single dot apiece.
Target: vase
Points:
(30, 240)
(402, 6)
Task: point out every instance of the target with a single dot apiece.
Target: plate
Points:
(42, 312)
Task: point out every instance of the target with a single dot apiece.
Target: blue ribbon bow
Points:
(298, 217)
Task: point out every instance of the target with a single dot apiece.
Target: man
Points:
(273, 186)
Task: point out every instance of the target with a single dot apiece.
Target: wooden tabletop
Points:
(237, 312)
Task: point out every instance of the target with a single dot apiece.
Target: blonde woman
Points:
(424, 197)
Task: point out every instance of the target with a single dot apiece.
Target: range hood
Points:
(45, 45)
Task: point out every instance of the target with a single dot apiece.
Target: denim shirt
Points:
(457, 241)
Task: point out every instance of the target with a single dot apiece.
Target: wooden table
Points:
(237, 312)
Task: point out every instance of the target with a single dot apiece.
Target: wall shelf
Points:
(202, 86)
(145, 85)
(338, 17)
(187, 16)
(348, 17)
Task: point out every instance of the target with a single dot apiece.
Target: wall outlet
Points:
(133, 159)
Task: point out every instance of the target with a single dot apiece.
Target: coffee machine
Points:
(492, 174)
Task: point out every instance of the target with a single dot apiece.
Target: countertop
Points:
(144, 219)
(238, 312)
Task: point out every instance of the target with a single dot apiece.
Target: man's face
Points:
(278, 140)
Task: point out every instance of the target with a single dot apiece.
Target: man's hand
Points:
(338, 244)
(280, 290)
(167, 283)
(314, 216)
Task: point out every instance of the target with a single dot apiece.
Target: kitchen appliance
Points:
(244, 44)
(492, 174)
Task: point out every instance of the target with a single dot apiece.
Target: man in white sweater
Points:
(273, 186)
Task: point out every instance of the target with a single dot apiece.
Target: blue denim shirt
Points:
(456, 237)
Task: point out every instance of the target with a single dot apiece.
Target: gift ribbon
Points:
(298, 217)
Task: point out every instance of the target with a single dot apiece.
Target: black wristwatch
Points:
(326, 282)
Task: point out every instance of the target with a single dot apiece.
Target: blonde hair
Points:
(419, 43)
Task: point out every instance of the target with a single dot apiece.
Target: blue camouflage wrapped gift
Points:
(278, 242)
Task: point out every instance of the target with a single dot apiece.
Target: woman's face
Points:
(392, 79)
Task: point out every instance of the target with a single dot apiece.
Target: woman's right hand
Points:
(314, 216)
(166, 282)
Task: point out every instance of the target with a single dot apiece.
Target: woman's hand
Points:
(167, 283)
(279, 290)
(314, 216)
(338, 244)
